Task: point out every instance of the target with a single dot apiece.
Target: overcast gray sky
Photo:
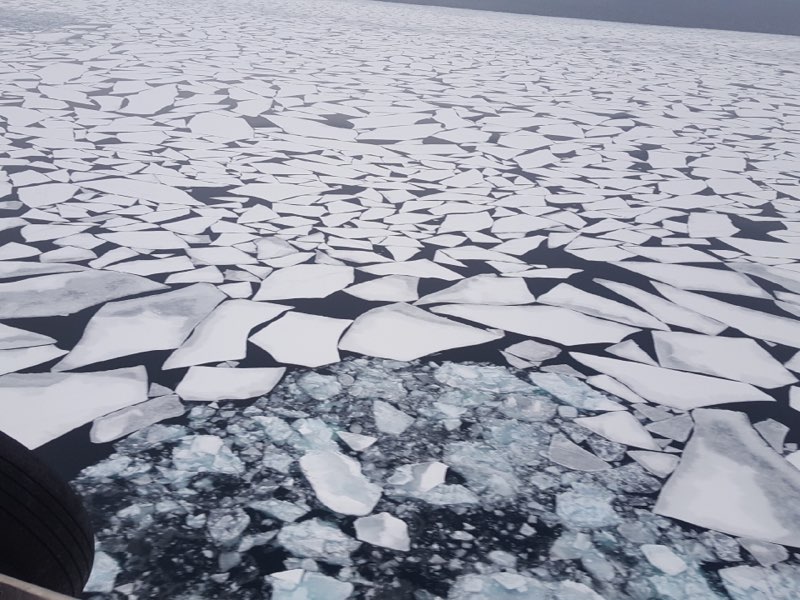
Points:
(769, 16)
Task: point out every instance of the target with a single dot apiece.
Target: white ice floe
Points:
(209, 384)
(418, 478)
(621, 427)
(47, 194)
(308, 585)
(675, 389)
(68, 293)
(305, 281)
(223, 334)
(17, 359)
(156, 322)
(568, 454)
(737, 484)
(14, 337)
(356, 441)
(133, 418)
(483, 289)
(136, 188)
(664, 559)
(302, 339)
(740, 359)
(403, 332)
(553, 323)
(68, 400)
(533, 352)
(755, 323)
(151, 100)
(422, 268)
(687, 277)
(385, 530)
(220, 125)
(391, 288)
(568, 296)
(338, 482)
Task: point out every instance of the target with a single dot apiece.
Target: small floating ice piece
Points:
(302, 339)
(385, 530)
(664, 559)
(574, 392)
(222, 335)
(676, 389)
(319, 540)
(209, 384)
(621, 427)
(68, 400)
(308, 585)
(68, 293)
(356, 441)
(675, 428)
(305, 281)
(737, 484)
(568, 296)
(418, 478)
(133, 418)
(390, 420)
(206, 454)
(534, 352)
(483, 289)
(765, 553)
(568, 454)
(740, 359)
(103, 575)
(338, 482)
(391, 288)
(660, 464)
(156, 322)
(560, 325)
(403, 332)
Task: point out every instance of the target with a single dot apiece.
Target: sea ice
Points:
(390, 420)
(483, 289)
(319, 540)
(209, 384)
(17, 359)
(133, 418)
(621, 427)
(664, 559)
(568, 296)
(574, 392)
(206, 454)
(156, 322)
(305, 281)
(586, 506)
(338, 482)
(68, 399)
(308, 585)
(302, 339)
(383, 529)
(404, 332)
(737, 484)
(568, 454)
(391, 288)
(658, 463)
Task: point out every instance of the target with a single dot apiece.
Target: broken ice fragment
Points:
(574, 392)
(498, 586)
(568, 454)
(206, 454)
(483, 289)
(779, 582)
(68, 400)
(104, 574)
(664, 559)
(156, 322)
(766, 553)
(390, 420)
(586, 505)
(302, 339)
(418, 477)
(319, 540)
(404, 332)
(356, 441)
(308, 585)
(659, 464)
(620, 427)
(305, 281)
(737, 483)
(338, 482)
(226, 526)
(209, 384)
(125, 421)
(383, 529)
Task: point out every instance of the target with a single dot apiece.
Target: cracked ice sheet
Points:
(68, 399)
(736, 482)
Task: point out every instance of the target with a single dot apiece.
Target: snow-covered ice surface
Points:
(389, 301)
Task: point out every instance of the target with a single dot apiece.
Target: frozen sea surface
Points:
(401, 301)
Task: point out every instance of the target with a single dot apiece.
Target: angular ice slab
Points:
(740, 359)
(730, 480)
(569, 296)
(222, 335)
(574, 392)
(209, 384)
(206, 454)
(560, 325)
(676, 389)
(568, 454)
(68, 293)
(391, 288)
(404, 332)
(319, 540)
(18, 359)
(338, 482)
(157, 322)
(383, 529)
(39, 407)
(125, 421)
(12, 338)
(302, 339)
(483, 289)
(305, 281)
(621, 427)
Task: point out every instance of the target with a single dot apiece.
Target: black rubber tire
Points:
(45, 534)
